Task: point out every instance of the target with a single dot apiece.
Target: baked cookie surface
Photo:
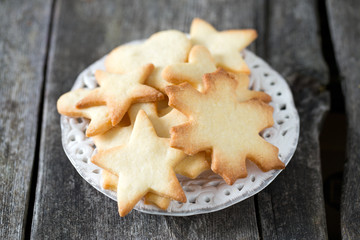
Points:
(218, 122)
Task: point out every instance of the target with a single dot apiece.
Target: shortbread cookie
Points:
(161, 49)
(143, 165)
(243, 93)
(193, 166)
(162, 124)
(119, 91)
(99, 117)
(153, 199)
(222, 124)
(200, 62)
(117, 136)
(110, 181)
(190, 166)
(224, 46)
(187, 167)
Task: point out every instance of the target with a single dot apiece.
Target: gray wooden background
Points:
(44, 45)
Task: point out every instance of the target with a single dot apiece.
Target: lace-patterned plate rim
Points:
(211, 193)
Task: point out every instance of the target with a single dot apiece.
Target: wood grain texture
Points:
(293, 206)
(68, 207)
(344, 21)
(23, 37)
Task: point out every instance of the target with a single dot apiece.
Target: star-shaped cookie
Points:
(143, 165)
(222, 124)
(116, 136)
(186, 167)
(201, 62)
(161, 49)
(224, 46)
(99, 117)
(110, 181)
(190, 166)
(243, 93)
(119, 91)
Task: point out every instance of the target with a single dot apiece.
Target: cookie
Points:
(220, 123)
(161, 49)
(162, 124)
(116, 136)
(199, 62)
(109, 181)
(224, 46)
(99, 117)
(119, 91)
(193, 166)
(190, 166)
(243, 93)
(153, 199)
(186, 167)
(145, 164)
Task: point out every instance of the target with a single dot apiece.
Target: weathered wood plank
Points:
(23, 37)
(344, 21)
(66, 206)
(293, 206)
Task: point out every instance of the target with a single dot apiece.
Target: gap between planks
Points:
(34, 173)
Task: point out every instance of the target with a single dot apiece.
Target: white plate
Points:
(209, 192)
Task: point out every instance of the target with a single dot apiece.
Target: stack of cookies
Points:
(174, 105)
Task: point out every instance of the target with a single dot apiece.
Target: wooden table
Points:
(45, 44)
